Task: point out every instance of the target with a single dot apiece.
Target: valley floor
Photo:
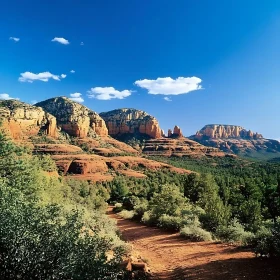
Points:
(171, 257)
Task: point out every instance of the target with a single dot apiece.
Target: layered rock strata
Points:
(131, 121)
(74, 118)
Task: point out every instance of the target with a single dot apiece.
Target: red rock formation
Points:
(131, 121)
(22, 120)
(216, 131)
(177, 131)
(74, 118)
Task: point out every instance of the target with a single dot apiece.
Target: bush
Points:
(169, 222)
(149, 219)
(118, 207)
(234, 233)
(267, 241)
(195, 233)
(41, 243)
(125, 214)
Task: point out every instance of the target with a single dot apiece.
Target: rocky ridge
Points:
(237, 140)
(217, 131)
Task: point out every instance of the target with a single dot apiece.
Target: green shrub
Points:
(125, 214)
(195, 233)
(234, 233)
(118, 207)
(140, 207)
(149, 219)
(42, 243)
(169, 222)
(267, 241)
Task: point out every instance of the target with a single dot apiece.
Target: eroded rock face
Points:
(179, 147)
(74, 118)
(176, 133)
(122, 121)
(216, 131)
(237, 140)
(22, 120)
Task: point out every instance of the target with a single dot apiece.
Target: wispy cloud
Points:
(61, 40)
(169, 86)
(107, 93)
(44, 77)
(6, 96)
(33, 102)
(14, 39)
(72, 71)
(77, 97)
(63, 76)
(167, 99)
(82, 43)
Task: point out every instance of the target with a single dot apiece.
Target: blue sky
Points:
(188, 63)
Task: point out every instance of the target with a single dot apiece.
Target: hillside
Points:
(237, 140)
(76, 138)
(79, 141)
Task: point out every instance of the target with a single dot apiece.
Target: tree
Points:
(169, 200)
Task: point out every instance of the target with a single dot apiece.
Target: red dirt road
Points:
(171, 257)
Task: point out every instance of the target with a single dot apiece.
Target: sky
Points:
(186, 62)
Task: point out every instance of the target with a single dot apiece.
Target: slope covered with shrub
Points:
(51, 228)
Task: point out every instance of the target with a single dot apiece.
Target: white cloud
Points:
(77, 97)
(72, 71)
(14, 39)
(167, 99)
(61, 41)
(169, 86)
(82, 43)
(44, 76)
(63, 76)
(107, 93)
(6, 96)
(33, 102)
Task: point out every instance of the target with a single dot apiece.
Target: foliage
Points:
(118, 207)
(40, 243)
(267, 240)
(234, 232)
(169, 222)
(52, 228)
(195, 233)
(125, 214)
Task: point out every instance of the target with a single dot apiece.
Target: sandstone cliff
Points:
(216, 131)
(131, 121)
(74, 118)
(237, 140)
(21, 120)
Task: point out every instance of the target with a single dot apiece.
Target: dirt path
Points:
(171, 257)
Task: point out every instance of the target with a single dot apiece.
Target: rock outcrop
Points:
(179, 147)
(237, 140)
(74, 118)
(176, 133)
(131, 121)
(217, 131)
(21, 120)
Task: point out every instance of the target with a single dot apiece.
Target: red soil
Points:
(170, 256)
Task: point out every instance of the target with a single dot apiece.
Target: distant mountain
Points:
(237, 140)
